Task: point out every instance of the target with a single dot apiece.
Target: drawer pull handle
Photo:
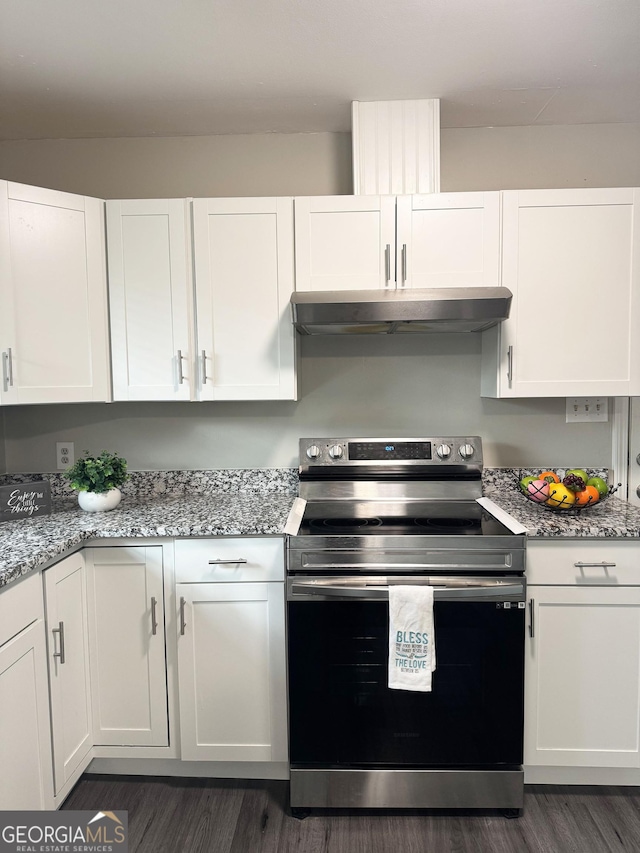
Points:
(532, 630)
(227, 562)
(602, 565)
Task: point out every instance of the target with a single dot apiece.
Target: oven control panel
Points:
(435, 451)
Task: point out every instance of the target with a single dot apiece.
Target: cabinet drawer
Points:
(229, 559)
(20, 605)
(602, 562)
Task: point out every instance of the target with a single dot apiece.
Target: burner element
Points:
(457, 523)
(344, 524)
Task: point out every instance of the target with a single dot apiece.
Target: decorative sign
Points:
(24, 500)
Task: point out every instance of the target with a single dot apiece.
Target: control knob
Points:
(466, 451)
(336, 451)
(313, 452)
(443, 451)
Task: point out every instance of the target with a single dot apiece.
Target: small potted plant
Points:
(97, 480)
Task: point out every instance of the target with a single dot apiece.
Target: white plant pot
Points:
(94, 502)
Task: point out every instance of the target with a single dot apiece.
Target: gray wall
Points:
(405, 386)
(373, 387)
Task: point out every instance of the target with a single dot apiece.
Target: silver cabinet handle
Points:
(7, 369)
(182, 622)
(531, 612)
(225, 562)
(602, 565)
(387, 263)
(154, 617)
(510, 365)
(59, 630)
(179, 358)
(203, 358)
(404, 264)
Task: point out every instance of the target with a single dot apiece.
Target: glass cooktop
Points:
(351, 518)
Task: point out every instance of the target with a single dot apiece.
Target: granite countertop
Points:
(248, 503)
(26, 544)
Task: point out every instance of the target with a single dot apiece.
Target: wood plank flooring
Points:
(229, 816)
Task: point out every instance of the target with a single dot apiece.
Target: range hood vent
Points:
(386, 312)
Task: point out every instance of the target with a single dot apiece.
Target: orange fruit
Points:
(589, 495)
(549, 476)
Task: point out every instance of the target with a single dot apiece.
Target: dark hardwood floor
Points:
(227, 816)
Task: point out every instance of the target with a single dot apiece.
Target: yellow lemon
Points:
(560, 497)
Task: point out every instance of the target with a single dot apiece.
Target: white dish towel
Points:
(412, 648)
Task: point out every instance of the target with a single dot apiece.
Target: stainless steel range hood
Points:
(385, 312)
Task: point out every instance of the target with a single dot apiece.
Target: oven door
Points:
(343, 714)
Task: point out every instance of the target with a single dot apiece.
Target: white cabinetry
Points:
(127, 646)
(150, 294)
(231, 649)
(69, 682)
(371, 242)
(243, 261)
(572, 260)
(26, 780)
(53, 322)
(582, 690)
(449, 240)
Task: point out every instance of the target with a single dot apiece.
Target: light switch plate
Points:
(587, 409)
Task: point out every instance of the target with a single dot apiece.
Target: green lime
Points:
(524, 482)
(600, 485)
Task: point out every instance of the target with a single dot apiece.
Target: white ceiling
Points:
(107, 68)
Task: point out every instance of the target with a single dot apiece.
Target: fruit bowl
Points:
(576, 491)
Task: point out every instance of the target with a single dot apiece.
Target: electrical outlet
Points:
(583, 409)
(65, 455)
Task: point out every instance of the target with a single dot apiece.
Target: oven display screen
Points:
(376, 450)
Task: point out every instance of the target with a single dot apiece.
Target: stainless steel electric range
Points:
(403, 511)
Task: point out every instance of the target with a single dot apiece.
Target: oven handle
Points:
(496, 591)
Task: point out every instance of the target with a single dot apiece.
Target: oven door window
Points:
(343, 713)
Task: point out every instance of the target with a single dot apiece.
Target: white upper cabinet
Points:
(345, 242)
(53, 321)
(150, 293)
(371, 242)
(571, 259)
(448, 240)
(243, 260)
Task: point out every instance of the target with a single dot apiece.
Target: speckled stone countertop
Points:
(245, 502)
(611, 518)
(258, 506)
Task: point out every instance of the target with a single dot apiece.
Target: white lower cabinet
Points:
(26, 780)
(582, 690)
(231, 652)
(127, 646)
(68, 655)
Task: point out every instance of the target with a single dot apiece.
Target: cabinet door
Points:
(231, 669)
(53, 324)
(449, 240)
(571, 259)
(66, 606)
(582, 689)
(127, 646)
(150, 299)
(244, 279)
(345, 242)
(26, 781)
